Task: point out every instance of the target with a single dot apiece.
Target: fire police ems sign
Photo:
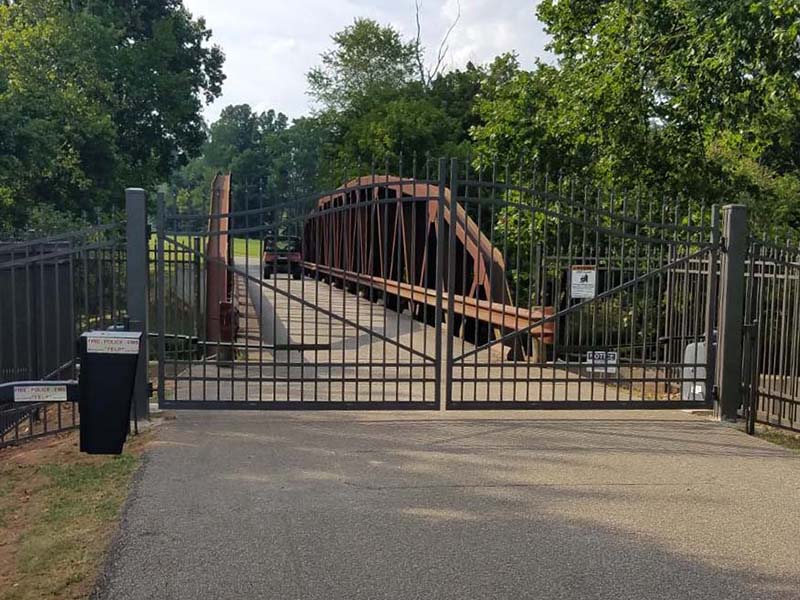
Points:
(583, 281)
(112, 342)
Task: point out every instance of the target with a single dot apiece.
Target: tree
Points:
(366, 57)
(521, 116)
(238, 130)
(374, 106)
(693, 98)
(96, 96)
(162, 71)
(428, 76)
(395, 124)
(272, 162)
(371, 106)
(58, 137)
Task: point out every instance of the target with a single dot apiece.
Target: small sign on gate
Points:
(40, 393)
(583, 281)
(602, 362)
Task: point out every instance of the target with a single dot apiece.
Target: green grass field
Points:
(182, 243)
(175, 242)
(245, 247)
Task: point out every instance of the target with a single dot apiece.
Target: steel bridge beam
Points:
(382, 232)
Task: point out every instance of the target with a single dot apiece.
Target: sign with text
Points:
(583, 281)
(112, 343)
(40, 393)
(602, 362)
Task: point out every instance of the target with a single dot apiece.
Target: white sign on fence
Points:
(40, 393)
(602, 362)
(102, 342)
(583, 281)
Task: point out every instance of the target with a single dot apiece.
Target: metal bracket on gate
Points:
(749, 388)
(196, 341)
(178, 336)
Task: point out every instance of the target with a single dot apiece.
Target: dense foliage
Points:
(272, 162)
(371, 102)
(679, 99)
(97, 95)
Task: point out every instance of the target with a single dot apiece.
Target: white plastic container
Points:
(694, 361)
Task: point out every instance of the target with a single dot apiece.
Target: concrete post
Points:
(731, 312)
(137, 246)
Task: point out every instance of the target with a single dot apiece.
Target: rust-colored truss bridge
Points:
(381, 234)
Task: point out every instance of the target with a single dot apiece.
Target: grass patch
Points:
(180, 245)
(781, 437)
(7, 483)
(247, 247)
(177, 243)
(58, 510)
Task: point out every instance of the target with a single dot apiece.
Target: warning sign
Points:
(583, 281)
(604, 363)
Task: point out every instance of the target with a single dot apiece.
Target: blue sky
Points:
(271, 44)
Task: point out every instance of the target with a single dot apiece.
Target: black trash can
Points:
(108, 372)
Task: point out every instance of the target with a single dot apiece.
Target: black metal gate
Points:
(458, 286)
(253, 313)
(598, 299)
(771, 358)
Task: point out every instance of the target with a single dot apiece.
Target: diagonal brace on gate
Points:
(330, 314)
(602, 296)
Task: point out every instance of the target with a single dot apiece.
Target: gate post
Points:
(731, 312)
(712, 306)
(137, 292)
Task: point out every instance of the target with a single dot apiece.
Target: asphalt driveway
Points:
(637, 505)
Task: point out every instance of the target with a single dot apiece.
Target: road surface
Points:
(498, 505)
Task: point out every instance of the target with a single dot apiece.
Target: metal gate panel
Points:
(607, 301)
(350, 324)
(54, 289)
(457, 285)
(771, 358)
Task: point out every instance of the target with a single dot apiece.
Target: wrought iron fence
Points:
(53, 289)
(772, 347)
(454, 282)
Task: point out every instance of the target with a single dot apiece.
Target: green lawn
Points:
(247, 247)
(175, 242)
(58, 511)
(181, 243)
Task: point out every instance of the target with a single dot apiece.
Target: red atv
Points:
(283, 255)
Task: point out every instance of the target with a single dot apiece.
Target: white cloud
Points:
(270, 45)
